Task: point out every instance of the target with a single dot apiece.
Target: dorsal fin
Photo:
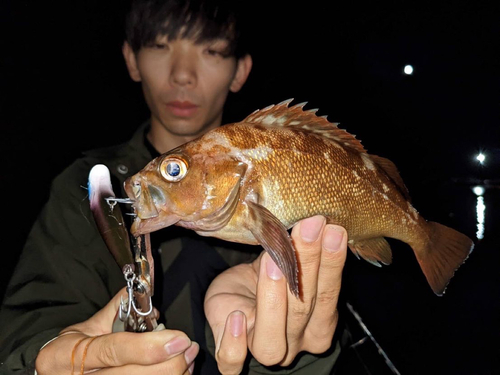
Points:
(392, 171)
(281, 115)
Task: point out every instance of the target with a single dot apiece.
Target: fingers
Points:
(279, 325)
(306, 237)
(312, 320)
(323, 321)
(125, 348)
(117, 350)
(232, 350)
(91, 346)
(268, 342)
(230, 311)
(333, 256)
(177, 365)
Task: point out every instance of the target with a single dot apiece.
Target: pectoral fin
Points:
(373, 250)
(274, 238)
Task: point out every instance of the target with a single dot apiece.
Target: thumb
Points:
(105, 317)
(101, 322)
(231, 350)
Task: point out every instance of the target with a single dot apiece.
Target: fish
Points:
(251, 181)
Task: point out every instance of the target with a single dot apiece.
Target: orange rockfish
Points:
(251, 181)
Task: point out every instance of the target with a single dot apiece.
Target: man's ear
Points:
(131, 61)
(242, 71)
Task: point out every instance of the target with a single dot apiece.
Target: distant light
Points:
(408, 69)
(478, 190)
(481, 157)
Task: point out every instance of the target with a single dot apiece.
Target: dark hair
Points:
(201, 20)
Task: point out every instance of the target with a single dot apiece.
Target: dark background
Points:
(64, 89)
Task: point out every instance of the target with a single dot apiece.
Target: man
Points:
(188, 57)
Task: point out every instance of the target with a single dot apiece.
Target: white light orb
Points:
(478, 190)
(408, 69)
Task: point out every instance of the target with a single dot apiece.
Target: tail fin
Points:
(442, 255)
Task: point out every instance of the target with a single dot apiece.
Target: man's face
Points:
(185, 84)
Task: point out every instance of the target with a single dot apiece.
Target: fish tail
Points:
(441, 256)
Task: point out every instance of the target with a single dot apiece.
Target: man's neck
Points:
(163, 140)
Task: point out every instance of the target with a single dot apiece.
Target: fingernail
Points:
(236, 321)
(332, 238)
(310, 228)
(272, 270)
(192, 352)
(177, 345)
(191, 368)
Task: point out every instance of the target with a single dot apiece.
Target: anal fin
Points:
(373, 250)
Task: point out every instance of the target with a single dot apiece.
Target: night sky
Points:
(64, 89)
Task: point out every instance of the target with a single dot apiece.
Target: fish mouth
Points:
(145, 226)
(146, 199)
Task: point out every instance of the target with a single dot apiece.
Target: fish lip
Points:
(141, 197)
(128, 190)
(145, 226)
(156, 218)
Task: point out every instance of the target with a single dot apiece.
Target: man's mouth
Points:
(182, 109)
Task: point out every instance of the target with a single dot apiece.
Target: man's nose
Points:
(183, 71)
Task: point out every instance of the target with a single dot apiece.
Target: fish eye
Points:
(173, 169)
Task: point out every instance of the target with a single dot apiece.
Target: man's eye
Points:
(159, 46)
(214, 52)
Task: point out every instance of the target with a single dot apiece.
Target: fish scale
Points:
(307, 180)
(251, 181)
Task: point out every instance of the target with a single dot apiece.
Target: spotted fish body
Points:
(250, 181)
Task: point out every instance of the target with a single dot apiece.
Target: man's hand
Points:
(250, 305)
(162, 352)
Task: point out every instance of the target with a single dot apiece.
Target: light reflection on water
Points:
(480, 209)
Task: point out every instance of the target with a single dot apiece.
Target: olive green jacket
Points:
(66, 274)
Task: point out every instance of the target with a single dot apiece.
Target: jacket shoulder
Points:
(122, 160)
